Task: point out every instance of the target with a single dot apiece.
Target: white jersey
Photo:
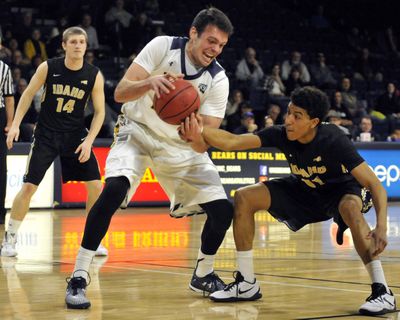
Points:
(167, 54)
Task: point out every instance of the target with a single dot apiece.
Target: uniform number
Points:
(68, 106)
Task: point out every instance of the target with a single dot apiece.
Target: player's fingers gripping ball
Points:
(175, 106)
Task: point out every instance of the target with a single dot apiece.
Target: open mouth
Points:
(208, 57)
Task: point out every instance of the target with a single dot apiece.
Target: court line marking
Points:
(260, 281)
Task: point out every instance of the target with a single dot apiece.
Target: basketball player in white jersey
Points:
(143, 140)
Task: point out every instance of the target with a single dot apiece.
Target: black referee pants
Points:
(3, 164)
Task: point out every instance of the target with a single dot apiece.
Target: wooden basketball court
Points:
(303, 275)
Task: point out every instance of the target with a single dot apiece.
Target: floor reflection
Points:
(152, 257)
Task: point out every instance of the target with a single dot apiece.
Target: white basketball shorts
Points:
(188, 178)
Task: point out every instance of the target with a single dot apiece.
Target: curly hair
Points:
(313, 100)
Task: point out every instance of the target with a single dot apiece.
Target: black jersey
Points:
(65, 95)
(320, 164)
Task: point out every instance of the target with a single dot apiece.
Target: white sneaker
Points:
(239, 290)
(180, 211)
(379, 302)
(8, 246)
(101, 251)
(75, 296)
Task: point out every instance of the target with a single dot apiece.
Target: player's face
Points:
(75, 46)
(204, 48)
(298, 124)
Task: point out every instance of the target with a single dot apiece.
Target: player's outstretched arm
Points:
(195, 127)
(227, 141)
(25, 101)
(367, 178)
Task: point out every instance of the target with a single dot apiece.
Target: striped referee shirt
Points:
(6, 83)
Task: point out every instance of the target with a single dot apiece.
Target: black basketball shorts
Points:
(48, 144)
(296, 205)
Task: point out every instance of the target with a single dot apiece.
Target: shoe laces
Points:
(238, 278)
(78, 282)
(378, 290)
(215, 278)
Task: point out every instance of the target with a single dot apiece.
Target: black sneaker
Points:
(75, 297)
(207, 284)
(366, 205)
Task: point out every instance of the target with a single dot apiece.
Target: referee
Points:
(6, 117)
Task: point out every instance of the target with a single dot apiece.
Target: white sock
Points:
(82, 263)
(205, 264)
(245, 265)
(13, 226)
(375, 272)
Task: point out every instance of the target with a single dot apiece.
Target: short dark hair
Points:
(212, 16)
(313, 100)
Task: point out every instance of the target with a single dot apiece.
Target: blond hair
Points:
(74, 31)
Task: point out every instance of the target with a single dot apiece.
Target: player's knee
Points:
(220, 212)
(115, 189)
(28, 189)
(94, 187)
(350, 211)
(242, 199)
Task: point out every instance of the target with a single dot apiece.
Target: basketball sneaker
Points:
(207, 284)
(366, 198)
(8, 246)
(180, 211)
(239, 290)
(75, 296)
(379, 302)
(101, 251)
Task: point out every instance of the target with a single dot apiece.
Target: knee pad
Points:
(220, 212)
(115, 190)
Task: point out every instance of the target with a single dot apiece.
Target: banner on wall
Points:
(240, 168)
(386, 165)
(16, 166)
(236, 168)
(149, 190)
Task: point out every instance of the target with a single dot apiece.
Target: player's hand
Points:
(163, 83)
(84, 150)
(12, 135)
(190, 130)
(378, 239)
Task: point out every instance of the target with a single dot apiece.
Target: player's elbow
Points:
(118, 96)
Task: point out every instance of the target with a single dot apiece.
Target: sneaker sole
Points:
(101, 254)
(195, 289)
(8, 255)
(203, 292)
(378, 313)
(78, 306)
(257, 296)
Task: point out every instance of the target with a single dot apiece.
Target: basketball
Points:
(175, 106)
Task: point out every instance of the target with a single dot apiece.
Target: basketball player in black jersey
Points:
(329, 180)
(68, 83)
